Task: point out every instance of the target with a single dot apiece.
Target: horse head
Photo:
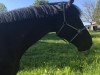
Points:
(72, 28)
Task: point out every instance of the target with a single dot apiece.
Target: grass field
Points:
(52, 56)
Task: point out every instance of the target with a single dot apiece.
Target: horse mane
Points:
(35, 12)
(32, 12)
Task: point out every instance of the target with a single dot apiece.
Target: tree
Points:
(39, 2)
(2, 8)
(89, 7)
(97, 12)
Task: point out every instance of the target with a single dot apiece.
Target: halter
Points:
(65, 23)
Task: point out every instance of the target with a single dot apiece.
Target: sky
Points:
(15, 4)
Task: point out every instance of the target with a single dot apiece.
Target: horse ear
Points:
(70, 2)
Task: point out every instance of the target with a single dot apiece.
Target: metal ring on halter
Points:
(65, 23)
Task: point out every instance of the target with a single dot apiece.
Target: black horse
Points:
(21, 28)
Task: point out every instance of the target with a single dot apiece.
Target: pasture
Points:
(52, 56)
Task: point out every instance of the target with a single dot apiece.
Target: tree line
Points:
(2, 8)
(97, 12)
(39, 2)
(91, 11)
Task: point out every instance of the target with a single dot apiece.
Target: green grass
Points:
(52, 56)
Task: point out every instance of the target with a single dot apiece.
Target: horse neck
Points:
(48, 17)
(26, 32)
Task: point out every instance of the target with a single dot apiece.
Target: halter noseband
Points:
(65, 23)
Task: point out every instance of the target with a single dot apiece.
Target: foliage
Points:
(52, 56)
(97, 12)
(2, 8)
(39, 2)
(89, 7)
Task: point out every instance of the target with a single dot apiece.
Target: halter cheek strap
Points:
(65, 23)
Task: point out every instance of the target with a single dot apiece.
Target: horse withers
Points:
(21, 28)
